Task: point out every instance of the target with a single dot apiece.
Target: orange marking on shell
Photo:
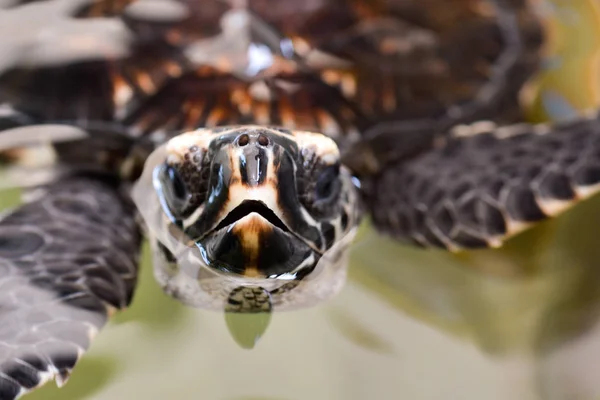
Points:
(174, 70)
(215, 115)
(122, 91)
(193, 111)
(281, 66)
(286, 113)
(348, 84)
(305, 119)
(143, 79)
(331, 77)
(242, 100)
(259, 91)
(207, 70)
(223, 64)
(301, 46)
(261, 113)
(327, 124)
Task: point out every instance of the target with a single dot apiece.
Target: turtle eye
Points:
(174, 189)
(328, 184)
(178, 189)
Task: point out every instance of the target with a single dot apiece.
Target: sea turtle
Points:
(297, 118)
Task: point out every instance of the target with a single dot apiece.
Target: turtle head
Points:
(251, 204)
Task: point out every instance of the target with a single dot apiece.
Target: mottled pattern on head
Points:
(192, 154)
(216, 184)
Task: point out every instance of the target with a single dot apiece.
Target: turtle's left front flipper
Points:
(67, 261)
(487, 183)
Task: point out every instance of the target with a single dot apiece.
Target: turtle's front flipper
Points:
(67, 261)
(488, 183)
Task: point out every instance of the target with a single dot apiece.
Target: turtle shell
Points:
(347, 68)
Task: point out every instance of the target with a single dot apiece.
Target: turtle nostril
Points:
(263, 140)
(243, 140)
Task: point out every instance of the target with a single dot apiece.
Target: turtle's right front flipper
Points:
(67, 261)
(486, 183)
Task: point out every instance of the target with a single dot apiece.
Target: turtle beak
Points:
(255, 245)
(245, 227)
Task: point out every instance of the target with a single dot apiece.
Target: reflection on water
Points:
(515, 323)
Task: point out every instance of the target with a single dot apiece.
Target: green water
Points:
(516, 323)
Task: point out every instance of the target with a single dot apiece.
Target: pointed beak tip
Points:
(253, 222)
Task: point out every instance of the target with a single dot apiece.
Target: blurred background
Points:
(517, 323)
